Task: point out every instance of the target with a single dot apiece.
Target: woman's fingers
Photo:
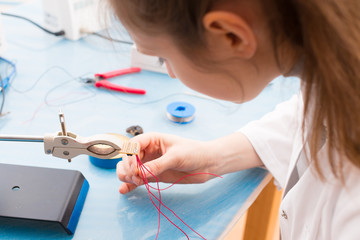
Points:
(126, 188)
(158, 166)
(126, 169)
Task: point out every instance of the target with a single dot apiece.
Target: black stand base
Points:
(36, 195)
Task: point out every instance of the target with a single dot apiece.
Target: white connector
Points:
(75, 17)
(146, 62)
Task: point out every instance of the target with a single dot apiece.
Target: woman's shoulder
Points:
(346, 217)
(351, 181)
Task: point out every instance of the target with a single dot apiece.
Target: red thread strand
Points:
(161, 203)
(147, 187)
(142, 169)
(189, 175)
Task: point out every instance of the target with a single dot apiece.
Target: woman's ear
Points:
(232, 32)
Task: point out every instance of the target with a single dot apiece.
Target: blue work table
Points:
(48, 79)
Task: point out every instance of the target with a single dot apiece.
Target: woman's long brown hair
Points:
(327, 32)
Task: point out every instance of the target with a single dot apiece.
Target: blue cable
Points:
(5, 82)
(7, 79)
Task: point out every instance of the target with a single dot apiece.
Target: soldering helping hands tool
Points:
(100, 80)
(68, 145)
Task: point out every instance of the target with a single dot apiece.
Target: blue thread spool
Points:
(180, 112)
(105, 163)
(112, 162)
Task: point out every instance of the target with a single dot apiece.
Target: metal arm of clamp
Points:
(68, 145)
(104, 146)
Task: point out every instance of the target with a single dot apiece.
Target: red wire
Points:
(142, 168)
(189, 175)
(139, 163)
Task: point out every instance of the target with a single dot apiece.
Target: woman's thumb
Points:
(155, 167)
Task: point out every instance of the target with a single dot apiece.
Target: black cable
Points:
(59, 33)
(111, 39)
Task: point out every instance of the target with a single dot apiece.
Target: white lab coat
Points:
(312, 209)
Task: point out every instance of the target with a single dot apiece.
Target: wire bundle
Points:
(5, 81)
(143, 169)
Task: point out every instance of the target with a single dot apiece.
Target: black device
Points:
(35, 195)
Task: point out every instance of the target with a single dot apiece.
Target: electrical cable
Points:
(3, 96)
(66, 96)
(6, 80)
(56, 102)
(111, 39)
(59, 33)
(40, 78)
(121, 98)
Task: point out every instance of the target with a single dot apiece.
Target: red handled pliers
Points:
(100, 80)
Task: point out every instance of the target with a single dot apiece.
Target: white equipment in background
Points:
(2, 39)
(146, 62)
(76, 17)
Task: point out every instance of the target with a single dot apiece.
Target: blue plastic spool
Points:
(180, 112)
(108, 163)
(105, 163)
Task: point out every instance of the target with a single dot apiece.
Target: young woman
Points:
(231, 50)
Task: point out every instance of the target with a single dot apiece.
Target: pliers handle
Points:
(100, 80)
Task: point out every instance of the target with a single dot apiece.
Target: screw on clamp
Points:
(63, 130)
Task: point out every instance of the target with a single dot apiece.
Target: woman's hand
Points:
(170, 158)
(167, 157)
